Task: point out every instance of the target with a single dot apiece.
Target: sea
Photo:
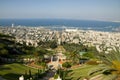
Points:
(60, 24)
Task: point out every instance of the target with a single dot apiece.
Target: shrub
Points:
(92, 62)
(55, 76)
(67, 65)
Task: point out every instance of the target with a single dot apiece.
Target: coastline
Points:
(60, 24)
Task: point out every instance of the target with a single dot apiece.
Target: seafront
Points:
(33, 35)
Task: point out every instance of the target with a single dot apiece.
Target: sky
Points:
(105, 10)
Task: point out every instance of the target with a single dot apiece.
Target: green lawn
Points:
(14, 70)
(81, 72)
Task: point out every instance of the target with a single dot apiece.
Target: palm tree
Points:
(111, 66)
(74, 57)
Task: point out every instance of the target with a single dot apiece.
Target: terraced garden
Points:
(81, 72)
(14, 71)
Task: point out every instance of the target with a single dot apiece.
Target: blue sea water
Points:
(60, 23)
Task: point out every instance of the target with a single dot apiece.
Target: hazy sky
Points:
(64, 9)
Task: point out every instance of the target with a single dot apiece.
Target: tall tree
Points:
(74, 57)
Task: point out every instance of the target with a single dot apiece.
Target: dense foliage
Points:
(111, 65)
(70, 47)
(6, 36)
(66, 65)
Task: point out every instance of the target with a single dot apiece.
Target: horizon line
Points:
(63, 19)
